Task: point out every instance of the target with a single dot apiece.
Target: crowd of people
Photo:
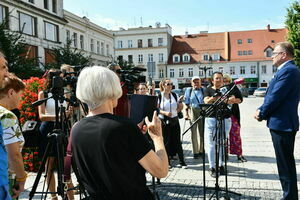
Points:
(112, 153)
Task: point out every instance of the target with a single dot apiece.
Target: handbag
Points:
(180, 115)
(31, 133)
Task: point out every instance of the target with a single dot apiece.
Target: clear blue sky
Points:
(183, 15)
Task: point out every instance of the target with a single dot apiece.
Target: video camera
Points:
(132, 76)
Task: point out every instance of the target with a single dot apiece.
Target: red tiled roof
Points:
(196, 45)
(261, 39)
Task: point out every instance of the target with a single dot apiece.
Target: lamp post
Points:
(205, 69)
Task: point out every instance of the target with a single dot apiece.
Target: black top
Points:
(106, 149)
(235, 107)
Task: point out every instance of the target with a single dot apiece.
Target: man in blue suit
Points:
(280, 109)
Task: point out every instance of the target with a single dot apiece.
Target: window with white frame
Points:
(75, 39)
(176, 58)
(240, 53)
(263, 69)
(81, 38)
(232, 70)
(130, 59)
(216, 56)
(150, 57)
(269, 53)
(191, 72)
(27, 24)
(102, 48)
(3, 13)
(51, 31)
(98, 47)
(160, 57)
(120, 44)
(201, 73)
(250, 52)
(92, 45)
(181, 72)
(172, 72)
(274, 69)
(186, 57)
(107, 50)
(221, 69)
(206, 57)
(150, 43)
(160, 41)
(249, 40)
(161, 73)
(253, 69)
(210, 72)
(242, 69)
(129, 43)
(140, 58)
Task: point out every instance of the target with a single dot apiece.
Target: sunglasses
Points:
(169, 84)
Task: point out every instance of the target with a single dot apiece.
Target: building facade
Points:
(146, 47)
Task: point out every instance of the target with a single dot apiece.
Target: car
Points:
(244, 91)
(260, 92)
(251, 90)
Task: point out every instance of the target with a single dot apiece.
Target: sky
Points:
(183, 15)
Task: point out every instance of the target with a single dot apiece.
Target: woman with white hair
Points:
(110, 151)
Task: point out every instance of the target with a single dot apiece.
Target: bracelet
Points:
(23, 178)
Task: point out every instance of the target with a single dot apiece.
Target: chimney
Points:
(268, 27)
(186, 34)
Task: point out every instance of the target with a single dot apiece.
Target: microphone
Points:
(227, 87)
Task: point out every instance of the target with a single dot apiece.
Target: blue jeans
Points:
(4, 192)
(210, 139)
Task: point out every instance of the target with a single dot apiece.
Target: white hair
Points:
(96, 85)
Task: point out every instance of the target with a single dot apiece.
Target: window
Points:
(140, 43)
(75, 39)
(210, 72)
(253, 69)
(176, 58)
(27, 24)
(245, 52)
(161, 73)
(206, 57)
(102, 48)
(269, 53)
(221, 69)
(107, 50)
(160, 41)
(216, 56)
(120, 58)
(232, 70)
(68, 35)
(120, 44)
(54, 6)
(3, 13)
(31, 52)
(172, 73)
(130, 60)
(240, 53)
(31, 1)
(274, 69)
(150, 57)
(46, 4)
(239, 41)
(140, 58)
(263, 69)
(98, 47)
(250, 52)
(181, 72)
(129, 43)
(49, 56)
(150, 43)
(92, 45)
(160, 57)
(272, 41)
(201, 72)
(191, 72)
(249, 40)
(51, 32)
(242, 70)
(186, 58)
(81, 41)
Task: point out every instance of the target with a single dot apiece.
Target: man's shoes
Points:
(196, 156)
(212, 172)
(222, 170)
(241, 159)
(182, 165)
(158, 182)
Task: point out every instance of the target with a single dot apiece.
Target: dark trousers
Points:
(283, 143)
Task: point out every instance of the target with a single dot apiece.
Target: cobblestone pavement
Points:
(255, 179)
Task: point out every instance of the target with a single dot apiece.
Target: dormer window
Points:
(268, 52)
(176, 58)
(206, 57)
(186, 57)
(216, 56)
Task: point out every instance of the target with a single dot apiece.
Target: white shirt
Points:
(165, 105)
(50, 105)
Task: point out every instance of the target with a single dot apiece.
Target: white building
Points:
(89, 37)
(146, 47)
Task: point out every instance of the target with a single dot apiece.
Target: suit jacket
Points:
(280, 107)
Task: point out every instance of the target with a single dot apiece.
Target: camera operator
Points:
(47, 116)
(110, 151)
(211, 94)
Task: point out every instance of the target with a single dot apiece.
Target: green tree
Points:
(68, 55)
(293, 25)
(14, 48)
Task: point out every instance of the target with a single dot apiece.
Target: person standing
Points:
(4, 186)
(280, 109)
(193, 98)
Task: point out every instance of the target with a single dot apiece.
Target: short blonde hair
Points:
(96, 85)
(227, 77)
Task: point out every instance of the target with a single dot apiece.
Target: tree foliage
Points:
(293, 25)
(13, 45)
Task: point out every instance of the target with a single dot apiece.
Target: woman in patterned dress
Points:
(10, 97)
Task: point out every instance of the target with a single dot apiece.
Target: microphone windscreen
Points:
(239, 81)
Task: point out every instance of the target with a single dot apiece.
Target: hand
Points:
(168, 114)
(18, 188)
(142, 127)
(154, 127)
(256, 116)
(231, 100)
